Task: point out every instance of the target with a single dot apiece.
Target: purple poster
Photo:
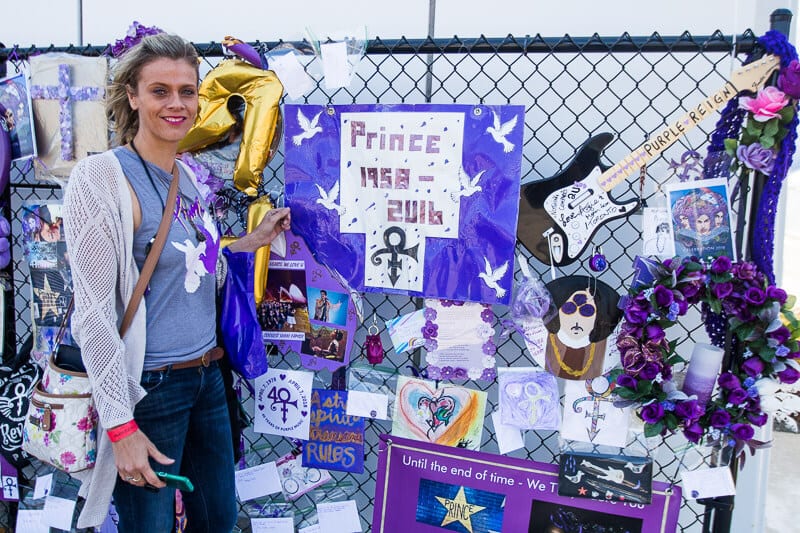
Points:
(420, 200)
(425, 487)
(335, 439)
(317, 315)
(9, 490)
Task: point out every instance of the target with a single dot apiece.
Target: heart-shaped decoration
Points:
(282, 376)
(448, 415)
(303, 413)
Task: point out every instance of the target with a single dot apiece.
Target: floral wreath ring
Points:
(763, 327)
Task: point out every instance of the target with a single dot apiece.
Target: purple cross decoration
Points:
(66, 94)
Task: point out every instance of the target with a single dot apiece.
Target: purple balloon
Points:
(5, 227)
(5, 151)
(5, 252)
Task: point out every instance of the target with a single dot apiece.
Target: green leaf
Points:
(791, 299)
(730, 146)
(749, 138)
(767, 142)
(754, 127)
(672, 422)
(652, 430)
(744, 331)
(787, 114)
(644, 387)
(771, 127)
(625, 393)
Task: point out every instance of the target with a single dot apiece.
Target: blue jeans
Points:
(185, 415)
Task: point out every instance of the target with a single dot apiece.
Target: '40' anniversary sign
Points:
(412, 199)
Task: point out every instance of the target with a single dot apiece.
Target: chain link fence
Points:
(571, 88)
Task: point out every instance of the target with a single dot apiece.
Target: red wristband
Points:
(127, 429)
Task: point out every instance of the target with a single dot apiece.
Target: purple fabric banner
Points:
(425, 487)
(420, 200)
(9, 490)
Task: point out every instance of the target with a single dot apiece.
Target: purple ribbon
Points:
(66, 94)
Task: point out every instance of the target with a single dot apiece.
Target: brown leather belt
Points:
(213, 354)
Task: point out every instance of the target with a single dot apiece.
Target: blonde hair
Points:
(123, 118)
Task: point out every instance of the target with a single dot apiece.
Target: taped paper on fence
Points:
(420, 200)
(426, 488)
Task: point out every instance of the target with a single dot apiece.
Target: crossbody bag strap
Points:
(152, 257)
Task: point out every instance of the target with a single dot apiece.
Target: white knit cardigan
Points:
(98, 224)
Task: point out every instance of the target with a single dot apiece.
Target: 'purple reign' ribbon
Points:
(66, 94)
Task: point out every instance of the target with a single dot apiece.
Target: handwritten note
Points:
(273, 525)
(336, 439)
(42, 487)
(257, 481)
(58, 512)
(291, 73)
(367, 404)
(32, 521)
(707, 483)
(509, 438)
(335, 66)
(313, 528)
(339, 517)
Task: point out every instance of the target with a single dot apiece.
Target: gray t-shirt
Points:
(181, 310)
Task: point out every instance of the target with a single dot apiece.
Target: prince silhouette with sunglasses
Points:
(576, 344)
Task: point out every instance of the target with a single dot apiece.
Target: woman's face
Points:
(166, 100)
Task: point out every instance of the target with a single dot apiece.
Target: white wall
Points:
(44, 22)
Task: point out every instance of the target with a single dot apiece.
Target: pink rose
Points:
(766, 104)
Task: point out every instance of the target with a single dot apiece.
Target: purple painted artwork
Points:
(529, 399)
(420, 200)
(336, 439)
(311, 312)
(424, 487)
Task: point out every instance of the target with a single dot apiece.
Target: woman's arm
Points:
(274, 222)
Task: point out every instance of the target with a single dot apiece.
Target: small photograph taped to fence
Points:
(700, 216)
(15, 116)
(549, 517)
(328, 306)
(657, 237)
(43, 242)
(282, 313)
(325, 342)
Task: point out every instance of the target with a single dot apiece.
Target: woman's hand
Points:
(273, 224)
(132, 454)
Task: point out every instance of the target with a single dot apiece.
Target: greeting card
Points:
(529, 399)
(296, 479)
(590, 414)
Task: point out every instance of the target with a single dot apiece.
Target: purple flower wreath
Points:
(759, 317)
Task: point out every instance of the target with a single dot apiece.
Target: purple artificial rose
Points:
(650, 371)
(755, 296)
(756, 157)
(690, 290)
(789, 79)
(729, 381)
(743, 431)
(753, 366)
(737, 396)
(636, 315)
(788, 375)
(776, 293)
(663, 296)
(430, 330)
(624, 380)
(721, 265)
(654, 333)
(460, 373)
(653, 413)
(722, 290)
(757, 419)
(688, 410)
(693, 432)
(745, 271)
(720, 418)
(780, 335)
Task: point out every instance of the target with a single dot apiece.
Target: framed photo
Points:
(700, 215)
(15, 115)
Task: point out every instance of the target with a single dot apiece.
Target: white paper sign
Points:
(32, 521)
(43, 486)
(335, 66)
(339, 517)
(9, 487)
(708, 483)
(313, 528)
(508, 437)
(591, 416)
(292, 75)
(273, 525)
(283, 403)
(58, 512)
(257, 481)
(367, 404)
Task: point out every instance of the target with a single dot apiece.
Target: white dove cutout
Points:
(491, 277)
(194, 266)
(328, 199)
(469, 186)
(309, 128)
(499, 132)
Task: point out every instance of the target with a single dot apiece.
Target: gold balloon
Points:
(256, 212)
(261, 91)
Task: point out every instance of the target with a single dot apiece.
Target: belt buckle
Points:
(205, 359)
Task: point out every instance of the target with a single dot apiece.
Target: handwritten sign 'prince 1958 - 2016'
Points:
(412, 199)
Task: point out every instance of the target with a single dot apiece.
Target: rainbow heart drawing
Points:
(448, 415)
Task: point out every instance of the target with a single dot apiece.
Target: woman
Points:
(158, 392)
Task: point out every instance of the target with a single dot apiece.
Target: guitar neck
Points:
(665, 138)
